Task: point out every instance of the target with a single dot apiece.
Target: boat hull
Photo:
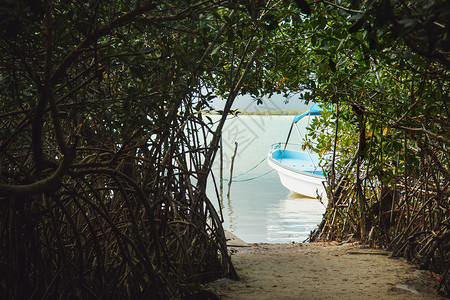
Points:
(298, 172)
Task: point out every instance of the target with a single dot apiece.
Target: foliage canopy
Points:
(104, 154)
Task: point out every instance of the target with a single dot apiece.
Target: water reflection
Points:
(293, 218)
(260, 208)
(230, 214)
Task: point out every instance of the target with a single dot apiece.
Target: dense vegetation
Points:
(104, 159)
(104, 151)
(382, 70)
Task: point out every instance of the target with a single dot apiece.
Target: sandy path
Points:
(323, 271)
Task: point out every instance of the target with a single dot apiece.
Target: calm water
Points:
(261, 209)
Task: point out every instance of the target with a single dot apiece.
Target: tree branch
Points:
(41, 186)
(48, 84)
(103, 30)
(440, 138)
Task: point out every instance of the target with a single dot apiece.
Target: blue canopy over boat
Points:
(313, 111)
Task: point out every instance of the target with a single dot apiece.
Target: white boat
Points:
(298, 169)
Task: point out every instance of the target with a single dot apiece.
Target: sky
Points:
(276, 102)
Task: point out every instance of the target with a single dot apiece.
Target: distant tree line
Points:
(291, 112)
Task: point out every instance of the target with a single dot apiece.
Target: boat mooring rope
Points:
(248, 171)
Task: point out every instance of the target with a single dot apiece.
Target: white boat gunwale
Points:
(295, 170)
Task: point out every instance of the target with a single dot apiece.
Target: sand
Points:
(322, 271)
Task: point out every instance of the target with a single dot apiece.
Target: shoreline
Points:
(321, 270)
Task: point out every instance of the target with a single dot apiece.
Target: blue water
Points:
(261, 210)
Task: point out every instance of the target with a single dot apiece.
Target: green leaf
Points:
(215, 50)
